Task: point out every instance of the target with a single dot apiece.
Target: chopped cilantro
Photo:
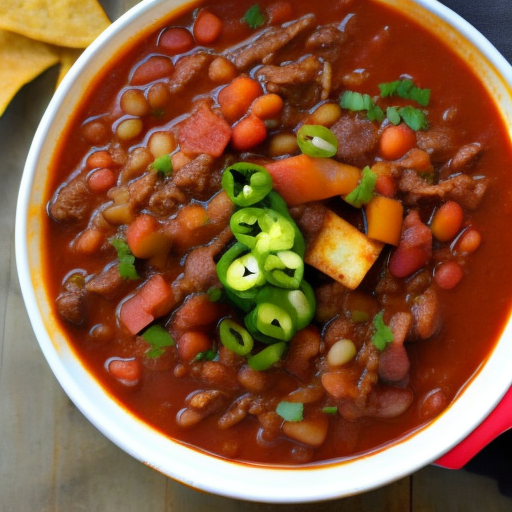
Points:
(254, 17)
(383, 335)
(330, 410)
(206, 355)
(407, 90)
(290, 411)
(162, 164)
(413, 117)
(364, 190)
(126, 264)
(158, 338)
(357, 102)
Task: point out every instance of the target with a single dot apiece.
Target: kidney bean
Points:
(126, 371)
(448, 275)
(447, 221)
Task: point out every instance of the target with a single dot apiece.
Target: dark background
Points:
(493, 18)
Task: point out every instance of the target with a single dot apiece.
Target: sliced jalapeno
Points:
(245, 225)
(277, 233)
(267, 357)
(317, 141)
(283, 268)
(235, 338)
(246, 183)
(271, 321)
(238, 269)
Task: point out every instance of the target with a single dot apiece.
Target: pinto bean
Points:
(310, 431)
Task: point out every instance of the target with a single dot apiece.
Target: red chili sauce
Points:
(437, 291)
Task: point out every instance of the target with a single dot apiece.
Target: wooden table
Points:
(53, 460)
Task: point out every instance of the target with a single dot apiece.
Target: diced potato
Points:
(342, 252)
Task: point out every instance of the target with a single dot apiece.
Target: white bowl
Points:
(190, 466)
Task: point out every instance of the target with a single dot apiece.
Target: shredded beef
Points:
(326, 42)
(439, 143)
(107, 284)
(187, 69)
(300, 82)
(461, 188)
(71, 302)
(71, 202)
(166, 200)
(357, 139)
(263, 48)
(195, 178)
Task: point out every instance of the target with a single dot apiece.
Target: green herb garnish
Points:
(206, 355)
(383, 334)
(414, 118)
(330, 410)
(363, 193)
(158, 338)
(162, 164)
(290, 411)
(126, 264)
(405, 89)
(357, 102)
(254, 17)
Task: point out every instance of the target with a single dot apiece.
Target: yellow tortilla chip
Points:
(21, 60)
(68, 57)
(71, 23)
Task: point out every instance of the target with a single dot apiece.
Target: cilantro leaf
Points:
(126, 258)
(254, 17)
(383, 334)
(206, 355)
(405, 89)
(357, 102)
(414, 118)
(364, 190)
(290, 411)
(158, 338)
(162, 164)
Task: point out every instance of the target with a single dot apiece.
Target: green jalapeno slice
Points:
(238, 269)
(246, 183)
(267, 357)
(271, 321)
(235, 338)
(283, 268)
(316, 140)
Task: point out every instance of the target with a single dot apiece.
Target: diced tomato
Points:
(204, 132)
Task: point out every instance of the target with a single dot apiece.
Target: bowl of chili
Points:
(266, 253)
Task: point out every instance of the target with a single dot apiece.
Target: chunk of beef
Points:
(467, 191)
(439, 143)
(265, 46)
(329, 300)
(141, 189)
(195, 178)
(304, 347)
(71, 301)
(326, 42)
(71, 202)
(309, 218)
(299, 82)
(165, 200)
(188, 69)
(465, 156)
(200, 267)
(108, 283)
(357, 139)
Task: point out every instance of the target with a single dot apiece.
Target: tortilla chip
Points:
(68, 57)
(21, 60)
(71, 23)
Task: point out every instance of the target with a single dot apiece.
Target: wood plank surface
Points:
(53, 460)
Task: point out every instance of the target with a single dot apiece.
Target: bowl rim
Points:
(189, 466)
